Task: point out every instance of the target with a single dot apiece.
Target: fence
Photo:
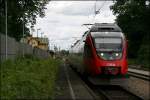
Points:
(15, 49)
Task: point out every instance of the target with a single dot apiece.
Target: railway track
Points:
(113, 92)
(139, 74)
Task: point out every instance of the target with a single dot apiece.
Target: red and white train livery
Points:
(102, 50)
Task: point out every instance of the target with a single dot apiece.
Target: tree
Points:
(133, 18)
(19, 10)
(55, 48)
(64, 52)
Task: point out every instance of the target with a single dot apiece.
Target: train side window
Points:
(87, 51)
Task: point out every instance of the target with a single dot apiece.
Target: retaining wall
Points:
(15, 49)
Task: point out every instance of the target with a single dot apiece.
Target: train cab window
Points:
(109, 48)
(108, 44)
(88, 51)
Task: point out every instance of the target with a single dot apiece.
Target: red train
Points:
(102, 50)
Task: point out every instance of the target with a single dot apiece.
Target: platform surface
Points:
(70, 87)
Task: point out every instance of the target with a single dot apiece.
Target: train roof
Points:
(102, 27)
(103, 30)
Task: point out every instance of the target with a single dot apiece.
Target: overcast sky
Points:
(63, 20)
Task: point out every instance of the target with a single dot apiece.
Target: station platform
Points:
(69, 86)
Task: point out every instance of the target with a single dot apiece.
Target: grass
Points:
(28, 78)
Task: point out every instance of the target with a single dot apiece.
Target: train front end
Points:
(110, 50)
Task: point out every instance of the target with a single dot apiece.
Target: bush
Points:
(144, 53)
(28, 78)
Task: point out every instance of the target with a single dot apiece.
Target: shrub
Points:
(28, 78)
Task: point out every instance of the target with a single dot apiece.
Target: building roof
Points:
(43, 40)
(40, 40)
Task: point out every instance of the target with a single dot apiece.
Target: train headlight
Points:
(102, 54)
(117, 54)
(110, 56)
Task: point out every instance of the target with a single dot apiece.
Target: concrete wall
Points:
(15, 49)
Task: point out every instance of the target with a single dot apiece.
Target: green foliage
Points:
(133, 18)
(144, 52)
(64, 52)
(19, 10)
(28, 78)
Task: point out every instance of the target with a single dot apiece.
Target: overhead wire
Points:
(102, 5)
(97, 11)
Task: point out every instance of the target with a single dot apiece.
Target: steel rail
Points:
(116, 93)
(111, 92)
(145, 75)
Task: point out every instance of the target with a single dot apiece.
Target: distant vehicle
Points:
(101, 50)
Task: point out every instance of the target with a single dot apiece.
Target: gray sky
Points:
(63, 20)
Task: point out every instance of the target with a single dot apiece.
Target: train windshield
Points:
(105, 44)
